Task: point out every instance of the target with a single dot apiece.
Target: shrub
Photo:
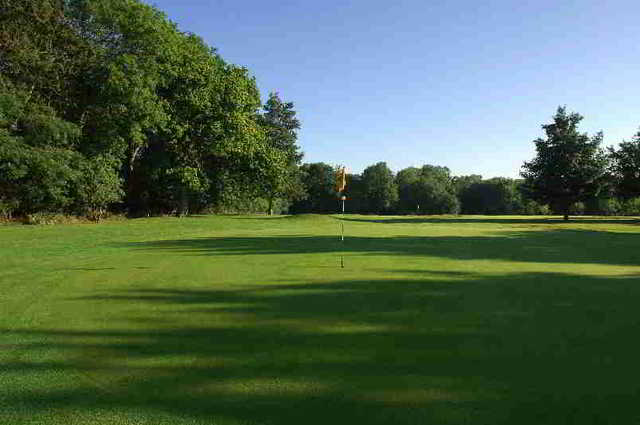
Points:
(97, 186)
(577, 208)
(6, 209)
(41, 218)
(611, 206)
(630, 207)
(50, 218)
(531, 207)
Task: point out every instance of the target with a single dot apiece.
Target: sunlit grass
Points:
(251, 320)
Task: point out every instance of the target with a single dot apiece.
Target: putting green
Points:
(251, 320)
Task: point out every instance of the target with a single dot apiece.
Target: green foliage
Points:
(44, 218)
(625, 167)
(406, 180)
(435, 192)
(44, 53)
(101, 97)
(463, 182)
(494, 196)
(280, 125)
(426, 190)
(25, 116)
(357, 201)
(183, 185)
(569, 166)
(577, 208)
(98, 186)
(630, 207)
(319, 182)
(106, 104)
(611, 206)
(7, 207)
(379, 188)
(531, 207)
(37, 179)
(39, 169)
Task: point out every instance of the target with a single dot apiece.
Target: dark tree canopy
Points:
(319, 181)
(280, 126)
(625, 167)
(106, 105)
(426, 190)
(406, 181)
(498, 195)
(113, 86)
(569, 166)
(379, 187)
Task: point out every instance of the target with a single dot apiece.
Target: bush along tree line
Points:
(571, 175)
(106, 106)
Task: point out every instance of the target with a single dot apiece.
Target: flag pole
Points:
(341, 183)
(342, 226)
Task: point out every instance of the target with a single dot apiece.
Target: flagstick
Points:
(342, 235)
(341, 182)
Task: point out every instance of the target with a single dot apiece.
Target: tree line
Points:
(571, 174)
(106, 106)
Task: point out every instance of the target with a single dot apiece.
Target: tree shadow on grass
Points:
(532, 348)
(453, 219)
(552, 246)
(483, 219)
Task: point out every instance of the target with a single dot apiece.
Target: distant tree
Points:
(625, 168)
(434, 191)
(462, 182)
(318, 180)
(631, 207)
(569, 166)
(380, 190)
(427, 190)
(406, 181)
(357, 201)
(280, 126)
(498, 195)
(527, 205)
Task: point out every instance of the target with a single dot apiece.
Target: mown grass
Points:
(250, 320)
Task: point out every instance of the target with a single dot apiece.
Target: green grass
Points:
(250, 320)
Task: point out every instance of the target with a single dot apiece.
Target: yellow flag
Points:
(341, 179)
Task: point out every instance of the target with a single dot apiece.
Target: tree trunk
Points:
(566, 216)
(184, 204)
(129, 179)
(270, 212)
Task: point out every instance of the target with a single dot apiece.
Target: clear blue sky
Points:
(465, 84)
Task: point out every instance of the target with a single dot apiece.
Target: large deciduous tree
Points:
(569, 166)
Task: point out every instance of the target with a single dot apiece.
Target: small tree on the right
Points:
(625, 168)
(569, 166)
